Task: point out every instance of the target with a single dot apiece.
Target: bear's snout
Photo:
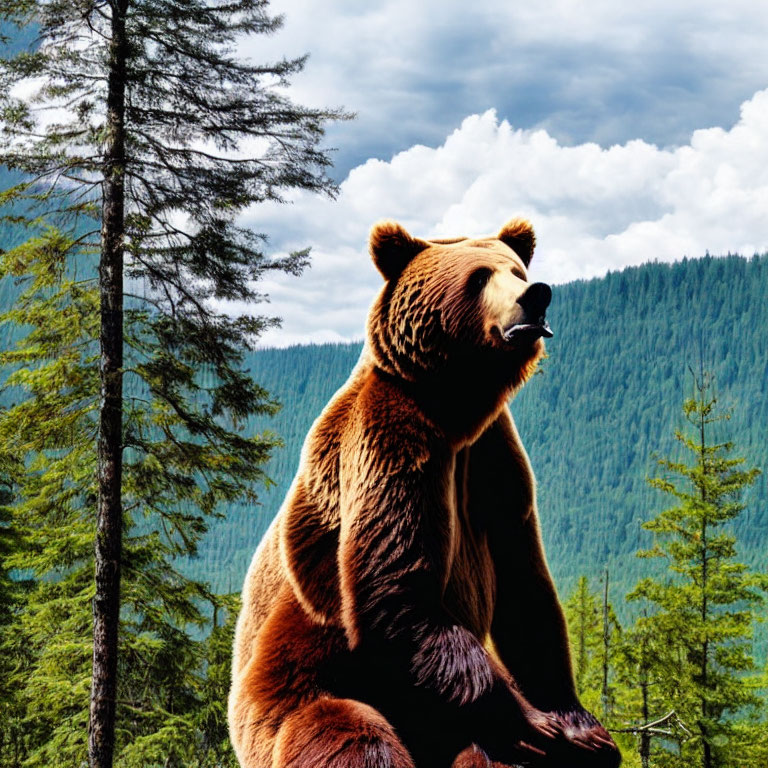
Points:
(533, 324)
(535, 300)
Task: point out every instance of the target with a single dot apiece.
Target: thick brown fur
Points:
(399, 613)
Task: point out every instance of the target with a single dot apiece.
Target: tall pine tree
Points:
(141, 138)
(582, 612)
(703, 606)
(646, 724)
(597, 645)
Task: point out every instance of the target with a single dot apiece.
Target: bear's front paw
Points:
(585, 743)
(521, 736)
(452, 662)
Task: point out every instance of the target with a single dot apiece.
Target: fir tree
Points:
(595, 637)
(643, 660)
(143, 140)
(211, 711)
(582, 612)
(704, 605)
(11, 602)
(597, 642)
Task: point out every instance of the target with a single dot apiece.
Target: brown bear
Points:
(399, 612)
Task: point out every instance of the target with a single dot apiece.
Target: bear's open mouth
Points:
(528, 331)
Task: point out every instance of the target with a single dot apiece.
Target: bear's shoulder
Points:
(387, 423)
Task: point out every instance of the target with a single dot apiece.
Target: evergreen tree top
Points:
(206, 135)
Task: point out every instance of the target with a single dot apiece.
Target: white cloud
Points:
(596, 70)
(593, 209)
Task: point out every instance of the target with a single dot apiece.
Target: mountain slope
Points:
(609, 397)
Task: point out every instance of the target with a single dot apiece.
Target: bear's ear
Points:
(519, 236)
(392, 248)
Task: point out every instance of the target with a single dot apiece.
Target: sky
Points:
(624, 132)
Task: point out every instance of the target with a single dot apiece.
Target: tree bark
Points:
(706, 747)
(645, 736)
(606, 647)
(108, 545)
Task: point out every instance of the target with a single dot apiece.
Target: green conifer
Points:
(702, 607)
(141, 139)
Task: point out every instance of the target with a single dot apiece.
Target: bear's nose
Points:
(535, 299)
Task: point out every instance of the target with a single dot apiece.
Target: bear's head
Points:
(457, 302)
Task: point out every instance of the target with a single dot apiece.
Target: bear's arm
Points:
(528, 627)
(395, 544)
(396, 540)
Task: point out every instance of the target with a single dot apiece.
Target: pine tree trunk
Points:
(582, 654)
(606, 644)
(108, 546)
(645, 737)
(704, 550)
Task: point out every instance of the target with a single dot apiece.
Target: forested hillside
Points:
(606, 401)
(609, 397)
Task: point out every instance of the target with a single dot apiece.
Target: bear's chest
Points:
(471, 589)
